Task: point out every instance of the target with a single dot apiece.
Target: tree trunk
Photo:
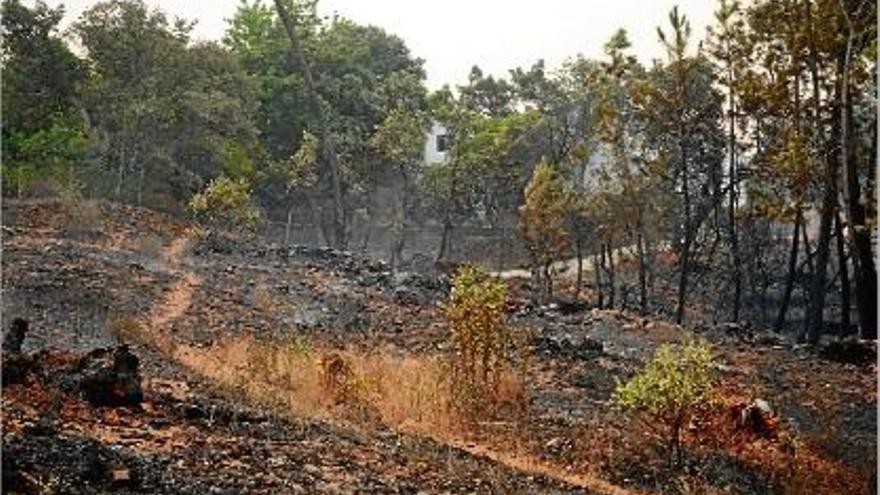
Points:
(580, 265)
(321, 236)
(732, 200)
(444, 240)
(597, 272)
(792, 273)
(860, 231)
(643, 287)
(140, 185)
(400, 225)
(816, 307)
(287, 226)
(842, 262)
(119, 175)
(327, 142)
(611, 276)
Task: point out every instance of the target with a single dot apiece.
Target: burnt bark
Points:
(328, 148)
(792, 273)
(843, 264)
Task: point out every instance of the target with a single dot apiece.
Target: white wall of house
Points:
(432, 153)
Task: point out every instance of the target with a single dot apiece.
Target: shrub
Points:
(673, 385)
(226, 203)
(484, 348)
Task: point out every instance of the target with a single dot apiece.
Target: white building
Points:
(436, 144)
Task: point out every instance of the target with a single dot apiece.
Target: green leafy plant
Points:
(674, 384)
(485, 349)
(226, 203)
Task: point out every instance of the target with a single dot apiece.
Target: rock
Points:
(570, 307)
(756, 417)
(16, 367)
(565, 344)
(14, 338)
(557, 445)
(851, 351)
(111, 377)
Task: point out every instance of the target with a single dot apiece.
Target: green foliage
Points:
(51, 156)
(41, 76)
(543, 216)
(43, 143)
(486, 95)
(226, 203)
(674, 384)
(400, 137)
(302, 167)
(483, 345)
(165, 114)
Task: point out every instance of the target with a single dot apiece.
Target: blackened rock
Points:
(570, 307)
(564, 344)
(111, 377)
(16, 367)
(758, 417)
(857, 352)
(14, 337)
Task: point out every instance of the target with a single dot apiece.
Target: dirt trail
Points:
(157, 322)
(229, 357)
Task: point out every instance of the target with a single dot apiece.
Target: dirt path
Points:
(157, 323)
(229, 357)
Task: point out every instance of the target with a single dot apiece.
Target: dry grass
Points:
(263, 298)
(404, 392)
(126, 328)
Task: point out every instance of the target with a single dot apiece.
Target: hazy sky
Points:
(453, 35)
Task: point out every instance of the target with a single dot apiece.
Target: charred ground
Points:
(193, 310)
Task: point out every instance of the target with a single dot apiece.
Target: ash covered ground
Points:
(79, 417)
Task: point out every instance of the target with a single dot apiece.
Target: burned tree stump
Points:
(14, 337)
(110, 377)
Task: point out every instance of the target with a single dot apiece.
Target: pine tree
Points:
(543, 221)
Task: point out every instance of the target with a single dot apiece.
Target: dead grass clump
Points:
(405, 392)
(408, 392)
(263, 299)
(125, 327)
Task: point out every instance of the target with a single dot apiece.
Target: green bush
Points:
(673, 385)
(226, 203)
(485, 350)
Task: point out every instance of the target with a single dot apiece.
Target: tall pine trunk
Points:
(736, 270)
(792, 272)
(578, 243)
(860, 231)
(843, 266)
(643, 285)
(328, 148)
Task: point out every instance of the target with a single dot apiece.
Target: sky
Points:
(453, 35)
